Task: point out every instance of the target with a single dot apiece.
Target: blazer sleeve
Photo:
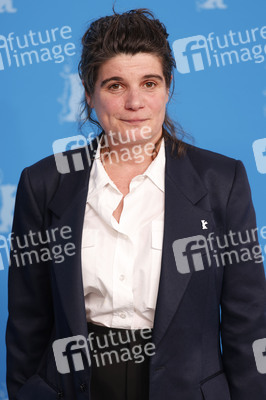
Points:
(30, 318)
(243, 300)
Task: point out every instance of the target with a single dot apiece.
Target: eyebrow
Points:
(119, 78)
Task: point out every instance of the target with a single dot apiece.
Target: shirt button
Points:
(122, 277)
(122, 315)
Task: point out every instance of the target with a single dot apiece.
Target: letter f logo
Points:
(191, 54)
(4, 46)
(190, 254)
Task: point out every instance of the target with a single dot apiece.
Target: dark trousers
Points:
(120, 367)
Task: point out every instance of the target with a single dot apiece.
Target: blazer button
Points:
(60, 395)
(83, 387)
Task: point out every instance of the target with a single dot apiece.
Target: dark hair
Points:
(132, 32)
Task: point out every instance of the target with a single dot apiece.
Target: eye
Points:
(115, 86)
(150, 84)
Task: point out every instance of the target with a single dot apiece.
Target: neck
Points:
(133, 156)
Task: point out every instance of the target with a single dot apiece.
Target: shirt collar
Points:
(98, 177)
(155, 171)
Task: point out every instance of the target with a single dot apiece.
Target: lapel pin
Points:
(204, 224)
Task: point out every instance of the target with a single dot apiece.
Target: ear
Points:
(170, 83)
(89, 100)
(168, 90)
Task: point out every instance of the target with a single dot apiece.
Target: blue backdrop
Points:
(220, 95)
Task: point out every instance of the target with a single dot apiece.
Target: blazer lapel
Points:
(183, 190)
(68, 208)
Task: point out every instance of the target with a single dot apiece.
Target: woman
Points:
(131, 310)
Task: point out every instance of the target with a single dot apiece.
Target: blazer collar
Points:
(73, 184)
(183, 174)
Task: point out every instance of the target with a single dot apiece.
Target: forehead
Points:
(128, 65)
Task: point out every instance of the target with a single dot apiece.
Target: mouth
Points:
(134, 121)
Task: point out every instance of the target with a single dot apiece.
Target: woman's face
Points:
(131, 95)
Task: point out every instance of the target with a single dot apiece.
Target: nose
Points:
(134, 100)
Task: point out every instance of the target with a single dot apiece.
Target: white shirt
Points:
(121, 262)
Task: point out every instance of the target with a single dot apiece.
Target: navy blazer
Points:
(197, 313)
